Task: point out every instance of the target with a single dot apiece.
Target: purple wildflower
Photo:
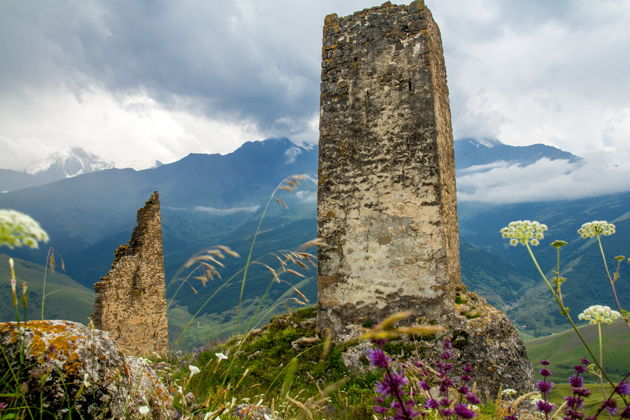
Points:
(2, 405)
(585, 362)
(576, 381)
(510, 418)
(447, 344)
(431, 404)
(545, 372)
(446, 355)
(544, 386)
(379, 342)
(379, 358)
(610, 406)
(464, 412)
(445, 402)
(379, 410)
(544, 406)
(447, 412)
(544, 362)
(445, 384)
(468, 368)
(406, 412)
(424, 385)
(579, 369)
(463, 389)
(623, 388)
(573, 402)
(466, 378)
(582, 392)
(391, 384)
(472, 398)
(625, 414)
(570, 413)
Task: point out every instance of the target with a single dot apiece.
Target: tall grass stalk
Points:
(288, 184)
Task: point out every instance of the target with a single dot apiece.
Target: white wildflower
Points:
(143, 410)
(221, 356)
(524, 232)
(599, 314)
(13, 282)
(509, 392)
(193, 370)
(19, 229)
(596, 228)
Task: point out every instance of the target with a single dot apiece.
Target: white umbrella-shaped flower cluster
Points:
(524, 232)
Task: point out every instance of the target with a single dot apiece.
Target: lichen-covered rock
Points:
(480, 334)
(63, 366)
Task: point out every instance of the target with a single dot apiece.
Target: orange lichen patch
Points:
(52, 339)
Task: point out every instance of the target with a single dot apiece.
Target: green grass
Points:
(66, 299)
(267, 365)
(564, 350)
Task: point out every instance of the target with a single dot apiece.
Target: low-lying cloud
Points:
(219, 212)
(545, 180)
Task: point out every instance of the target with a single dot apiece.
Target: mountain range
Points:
(218, 199)
(61, 165)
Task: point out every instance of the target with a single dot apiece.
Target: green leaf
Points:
(558, 244)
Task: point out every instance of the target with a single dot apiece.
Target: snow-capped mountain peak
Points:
(70, 163)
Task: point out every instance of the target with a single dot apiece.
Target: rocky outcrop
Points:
(65, 368)
(131, 302)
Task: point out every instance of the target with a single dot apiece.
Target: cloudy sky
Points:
(136, 81)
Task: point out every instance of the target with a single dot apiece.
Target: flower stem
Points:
(564, 312)
(612, 282)
(601, 359)
(397, 393)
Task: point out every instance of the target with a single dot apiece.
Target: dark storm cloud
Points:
(136, 81)
(214, 58)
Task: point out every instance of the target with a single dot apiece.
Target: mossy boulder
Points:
(65, 369)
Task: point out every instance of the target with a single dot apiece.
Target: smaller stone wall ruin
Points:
(131, 300)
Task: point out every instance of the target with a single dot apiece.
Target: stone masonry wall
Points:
(131, 302)
(386, 195)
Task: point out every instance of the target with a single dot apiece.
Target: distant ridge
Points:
(472, 152)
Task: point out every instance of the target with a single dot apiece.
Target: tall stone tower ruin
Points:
(131, 301)
(386, 194)
(386, 197)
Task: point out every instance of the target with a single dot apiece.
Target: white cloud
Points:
(219, 212)
(539, 71)
(306, 196)
(544, 180)
(131, 130)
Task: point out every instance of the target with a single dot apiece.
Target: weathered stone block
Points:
(131, 301)
(386, 195)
